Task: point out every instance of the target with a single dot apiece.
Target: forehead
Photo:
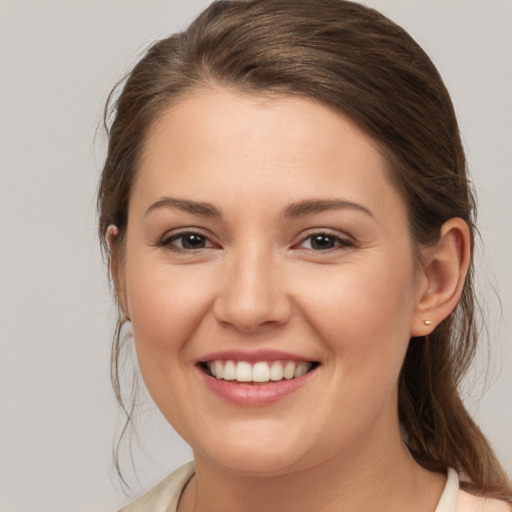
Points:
(235, 143)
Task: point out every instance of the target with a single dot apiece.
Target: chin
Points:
(256, 456)
(257, 464)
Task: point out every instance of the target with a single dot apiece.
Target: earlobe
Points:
(112, 232)
(445, 266)
(115, 270)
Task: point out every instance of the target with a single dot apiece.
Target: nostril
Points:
(249, 313)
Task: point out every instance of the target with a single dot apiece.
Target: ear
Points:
(442, 276)
(116, 268)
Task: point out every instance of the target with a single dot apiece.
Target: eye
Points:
(186, 241)
(324, 242)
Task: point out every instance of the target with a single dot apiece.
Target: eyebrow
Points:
(310, 206)
(294, 210)
(195, 207)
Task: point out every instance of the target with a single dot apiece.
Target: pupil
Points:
(322, 242)
(193, 241)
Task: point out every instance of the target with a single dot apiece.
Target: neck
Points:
(361, 479)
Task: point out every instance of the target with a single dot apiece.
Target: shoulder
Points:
(164, 496)
(455, 499)
(467, 502)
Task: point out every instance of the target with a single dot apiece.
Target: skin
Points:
(258, 282)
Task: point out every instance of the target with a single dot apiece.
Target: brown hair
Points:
(361, 64)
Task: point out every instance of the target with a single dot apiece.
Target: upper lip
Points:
(253, 356)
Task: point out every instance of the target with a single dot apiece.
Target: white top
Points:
(164, 497)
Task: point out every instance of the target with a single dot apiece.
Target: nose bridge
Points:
(253, 293)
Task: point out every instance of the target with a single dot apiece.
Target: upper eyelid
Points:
(185, 231)
(175, 234)
(343, 243)
(325, 231)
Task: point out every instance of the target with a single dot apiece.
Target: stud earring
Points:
(427, 322)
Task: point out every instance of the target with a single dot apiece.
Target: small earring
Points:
(427, 322)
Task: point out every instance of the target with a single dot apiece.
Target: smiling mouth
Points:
(259, 372)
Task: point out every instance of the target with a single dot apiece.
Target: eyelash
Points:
(340, 242)
(167, 241)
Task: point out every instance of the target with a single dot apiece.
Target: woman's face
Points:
(265, 239)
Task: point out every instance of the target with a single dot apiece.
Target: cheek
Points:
(165, 309)
(363, 313)
(362, 296)
(165, 306)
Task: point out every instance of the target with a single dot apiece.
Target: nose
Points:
(253, 295)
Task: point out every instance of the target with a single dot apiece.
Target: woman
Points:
(290, 230)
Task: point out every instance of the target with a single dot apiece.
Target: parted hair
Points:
(362, 65)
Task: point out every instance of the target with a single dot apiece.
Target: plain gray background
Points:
(58, 60)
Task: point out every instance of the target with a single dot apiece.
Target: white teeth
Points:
(243, 371)
(229, 371)
(276, 371)
(302, 369)
(217, 369)
(261, 371)
(289, 370)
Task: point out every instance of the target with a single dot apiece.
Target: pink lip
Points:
(252, 356)
(253, 395)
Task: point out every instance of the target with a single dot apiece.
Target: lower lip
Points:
(254, 395)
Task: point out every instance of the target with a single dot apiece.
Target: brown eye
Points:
(193, 241)
(324, 242)
(187, 241)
